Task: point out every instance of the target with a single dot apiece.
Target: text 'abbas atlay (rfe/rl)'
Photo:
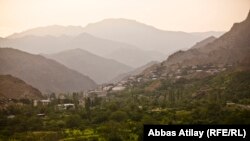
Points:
(196, 132)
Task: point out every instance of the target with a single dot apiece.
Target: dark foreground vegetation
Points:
(220, 99)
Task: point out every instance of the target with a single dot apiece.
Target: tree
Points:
(73, 121)
(119, 116)
(87, 107)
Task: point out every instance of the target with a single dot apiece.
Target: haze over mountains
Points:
(135, 57)
(232, 48)
(102, 52)
(99, 69)
(53, 30)
(106, 48)
(132, 73)
(45, 74)
(120, 39)
(144, 36)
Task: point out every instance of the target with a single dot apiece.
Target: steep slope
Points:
(231, 48)
(204, 42)
(14, 88)
(194, 51)
(45, 74)
(99, 69)
(53, 30)
(132, 73)
(142, 36)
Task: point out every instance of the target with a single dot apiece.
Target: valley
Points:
(106, 80)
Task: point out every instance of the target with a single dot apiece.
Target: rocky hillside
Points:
(204, 42)
(132, 73)
(207, 57)
(231, 48)
(15, 88)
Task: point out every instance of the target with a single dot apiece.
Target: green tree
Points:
(119, 116)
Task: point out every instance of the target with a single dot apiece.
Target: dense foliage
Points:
(220, 99)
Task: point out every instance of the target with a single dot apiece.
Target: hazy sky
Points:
(177, 15)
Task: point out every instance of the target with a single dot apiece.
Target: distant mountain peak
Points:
(121, 23)
(117, 20)
(52, 30)
(144, 36)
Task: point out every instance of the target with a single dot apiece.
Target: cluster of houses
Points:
(64, 103)
(185, 71)
(104, 89)
(196, 69)
(176, 73)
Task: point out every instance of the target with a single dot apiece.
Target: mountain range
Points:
(127, 41)
(53, 30)
(102, 52)
(144, 36)
(44, 74)
(231, 49)
(102, 47)
(99, 69)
